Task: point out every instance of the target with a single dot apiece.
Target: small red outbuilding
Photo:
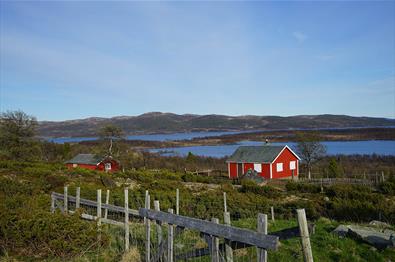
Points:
(93, 162)
(270, 162)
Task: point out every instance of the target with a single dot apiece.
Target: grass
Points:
(325, 245)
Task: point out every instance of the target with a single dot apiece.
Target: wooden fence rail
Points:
(210, 231)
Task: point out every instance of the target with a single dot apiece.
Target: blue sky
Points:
(67, 60)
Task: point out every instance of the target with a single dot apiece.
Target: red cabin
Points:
(269, 162)
(93, 162)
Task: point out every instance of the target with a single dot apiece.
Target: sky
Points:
(78, 59)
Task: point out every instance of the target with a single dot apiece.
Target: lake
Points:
(186, 135)
(152, 137)
(380, 147)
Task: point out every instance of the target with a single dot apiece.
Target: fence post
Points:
(225, 206)
(52, 203)
(215, 244)
(262, 228)
(382, 176)
(228, 247)
(177, 201)
(272, 212)
(170, 243)
(107, 202)
(304, 235)
(126, 219)
(99, 213)
(147, 230)
(158, 224)
(77, 197)
(65, 200)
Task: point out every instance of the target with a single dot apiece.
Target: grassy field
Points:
(29, 232)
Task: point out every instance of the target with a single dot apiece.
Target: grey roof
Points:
(255, 154)
(89, 159)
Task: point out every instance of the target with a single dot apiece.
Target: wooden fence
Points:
(221, 239)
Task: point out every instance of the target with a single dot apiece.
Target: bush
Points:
(28, 229)
(249, 186)
(303, 187)
(387, 188)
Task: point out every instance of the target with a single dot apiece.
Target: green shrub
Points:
(303, 187)
(387, 188)
(249, 186)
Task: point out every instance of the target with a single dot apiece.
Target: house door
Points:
(239, 169)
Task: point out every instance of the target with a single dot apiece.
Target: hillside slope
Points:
(157, 122)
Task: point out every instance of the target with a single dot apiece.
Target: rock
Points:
(372, 236)
(326, 199)
(341, 231)
(379, 223)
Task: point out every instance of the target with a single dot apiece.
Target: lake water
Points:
(333, 148)
(184, 135)
(152, 137)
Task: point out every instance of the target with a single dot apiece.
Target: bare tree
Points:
(310, 149)
(17, 135)
(110, 132)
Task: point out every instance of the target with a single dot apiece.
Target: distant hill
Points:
(157, 122)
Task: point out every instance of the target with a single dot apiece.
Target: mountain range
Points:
(157, 122)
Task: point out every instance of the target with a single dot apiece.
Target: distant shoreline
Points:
(344, 134)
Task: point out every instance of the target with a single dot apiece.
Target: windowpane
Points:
(258, 168)
(279, 167)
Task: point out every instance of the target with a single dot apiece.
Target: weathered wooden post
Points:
(77, 197)
(225, 206)
(99, 213)
(65, 200)
(262, 228)
(158, 224)
(147, 230)
(322, 186)
(107, 202)
(382, 176)
(177, 201)
(126, 219)
(228, 247)
(52, 203)
(170, 243)
(272, 212)
(215, 244)
(304, 235)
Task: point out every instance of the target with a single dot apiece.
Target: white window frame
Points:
(75, 165)
(292, 165)
(279, 167)
(258, 167)
(107, 166)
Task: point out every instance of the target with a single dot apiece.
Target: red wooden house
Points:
(93, 162)
(269, 162)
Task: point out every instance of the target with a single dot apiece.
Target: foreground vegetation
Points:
(29, 230)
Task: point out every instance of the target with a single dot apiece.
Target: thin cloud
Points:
(299, 36)
(324, 57)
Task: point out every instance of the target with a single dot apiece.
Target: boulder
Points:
(380, 239)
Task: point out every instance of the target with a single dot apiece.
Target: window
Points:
(292, 165)
(279, 167)
(75, 165)
(107, 166)
(258, 168)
